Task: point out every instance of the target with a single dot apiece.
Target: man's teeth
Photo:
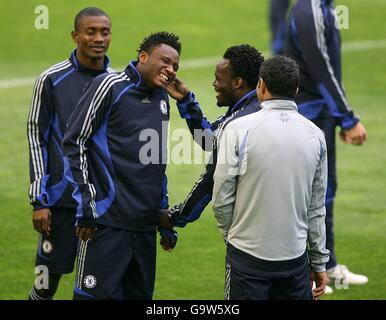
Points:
(164, 77)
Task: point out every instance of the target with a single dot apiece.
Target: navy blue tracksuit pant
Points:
(328, 124)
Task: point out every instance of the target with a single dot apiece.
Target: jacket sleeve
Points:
(165, 195)
(277, 16)
(90, 113)
(311, 30)
(199, 126)
(38, 129)
(225, 179)
(198, 198)
(317, 252)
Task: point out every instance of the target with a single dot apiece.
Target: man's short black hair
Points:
(89, 12)
(158, 38)
(281, 76)
(245, 61)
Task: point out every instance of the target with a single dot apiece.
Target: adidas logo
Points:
(146, 100)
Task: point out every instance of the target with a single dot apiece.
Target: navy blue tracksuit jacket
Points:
(313, 41)
(119, 119)
(55, 95)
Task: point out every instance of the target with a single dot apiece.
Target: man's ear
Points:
(238, 82)
(261, 85)
(143, 56)
(258, 84)
(74, 36)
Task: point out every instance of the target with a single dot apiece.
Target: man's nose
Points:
(98, 37)
(171, 70)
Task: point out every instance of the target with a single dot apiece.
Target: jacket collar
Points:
(82, 68)
(242, 101)
(287, 104)
(134, 75)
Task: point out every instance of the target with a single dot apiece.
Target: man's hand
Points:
(164, 221)
(168, 239)
(356, 135)
(41, 220)
(177, 89)
(321, 281)
(85, 233)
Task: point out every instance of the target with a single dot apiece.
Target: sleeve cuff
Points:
(84, 222)
(38, 206)
(318, 267)
(175, 218)
(349, 121)
(188, 98)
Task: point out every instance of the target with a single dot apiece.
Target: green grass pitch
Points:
(195, 270)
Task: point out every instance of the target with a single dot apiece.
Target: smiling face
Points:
(92, 37)
(158, 68)
(223, 84)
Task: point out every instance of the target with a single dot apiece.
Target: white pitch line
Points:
(363, 45)
(205, 62)
(16, 82)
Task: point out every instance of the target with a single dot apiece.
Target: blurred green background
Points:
(195, 270)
